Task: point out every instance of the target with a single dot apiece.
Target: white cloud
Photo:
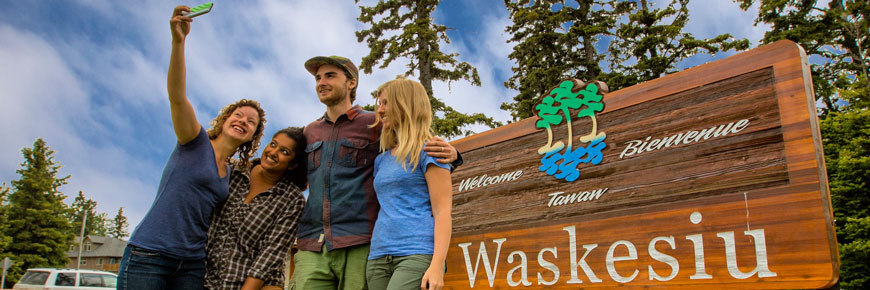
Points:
(711, 18)
(51, 102)
(98, 97)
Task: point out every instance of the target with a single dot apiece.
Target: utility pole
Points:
(82, 238)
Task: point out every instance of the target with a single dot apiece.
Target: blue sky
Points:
(89, 76)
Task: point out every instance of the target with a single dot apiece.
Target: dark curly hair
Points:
(247, 149)
(298, 175)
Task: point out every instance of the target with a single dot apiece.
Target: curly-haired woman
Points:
(411, 235)
(167, 249)
(251, 234)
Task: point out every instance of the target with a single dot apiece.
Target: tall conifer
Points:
(653, 41)
(39, 231)
(96, 222)
(555, 40)
(119, 225)
(836, 34)
(404, 29)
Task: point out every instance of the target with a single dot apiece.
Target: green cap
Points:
(344, 63)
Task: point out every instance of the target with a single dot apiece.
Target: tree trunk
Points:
(425, 63)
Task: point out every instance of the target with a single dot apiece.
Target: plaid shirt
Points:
(252, 240)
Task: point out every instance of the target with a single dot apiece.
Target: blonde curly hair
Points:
(247, 149)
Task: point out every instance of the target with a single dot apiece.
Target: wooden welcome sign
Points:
(710, 177)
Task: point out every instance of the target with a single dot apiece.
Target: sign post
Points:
(711, 177)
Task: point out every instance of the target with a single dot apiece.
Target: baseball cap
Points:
(344, 63)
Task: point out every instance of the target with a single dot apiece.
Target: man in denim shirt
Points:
(336, 225)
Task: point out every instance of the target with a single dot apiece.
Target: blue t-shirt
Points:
(190, 189)
(405, 225)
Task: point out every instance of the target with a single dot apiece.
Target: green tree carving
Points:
(36, 214)
(557, 106)
(404, 29)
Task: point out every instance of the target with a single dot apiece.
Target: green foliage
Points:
(36, 213)
(119, 225)
(835, 31)
(652, 42)
(846, 137)
(559, 39)
(97, 223)
(417, 39)
(555, 41)
(4, 207)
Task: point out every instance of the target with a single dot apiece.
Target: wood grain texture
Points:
(769, 176)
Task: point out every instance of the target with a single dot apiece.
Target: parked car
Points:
(51, 279)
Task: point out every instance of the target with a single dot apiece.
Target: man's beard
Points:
(336, 96)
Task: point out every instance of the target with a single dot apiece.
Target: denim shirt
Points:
(342, 206)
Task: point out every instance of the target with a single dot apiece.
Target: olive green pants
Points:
(340, 269)
(397, 273)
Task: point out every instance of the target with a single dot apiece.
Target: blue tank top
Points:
(190, 189)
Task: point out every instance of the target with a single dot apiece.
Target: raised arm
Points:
(441, 197)
(183, 118)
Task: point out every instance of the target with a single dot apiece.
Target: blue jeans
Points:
(148, 270)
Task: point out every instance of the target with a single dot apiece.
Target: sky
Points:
(89, 76)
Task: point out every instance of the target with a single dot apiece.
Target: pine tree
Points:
(417, 39)
(556, 40)
(846, 137)
(838, 33)
(36, 213)
(652, 42)
(96, 222)
(4, 208)
(119, 225)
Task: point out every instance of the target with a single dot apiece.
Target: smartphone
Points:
(199, 10)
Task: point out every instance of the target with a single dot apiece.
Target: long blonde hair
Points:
(410, 119)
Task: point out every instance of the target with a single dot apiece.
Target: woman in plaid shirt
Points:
(251, 234)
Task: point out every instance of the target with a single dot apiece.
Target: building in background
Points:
(98, 253)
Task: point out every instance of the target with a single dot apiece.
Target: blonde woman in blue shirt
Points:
(412, 232)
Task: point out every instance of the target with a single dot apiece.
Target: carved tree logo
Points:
(556, 107)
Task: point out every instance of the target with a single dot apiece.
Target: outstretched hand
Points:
(440, 149)
(180, 24)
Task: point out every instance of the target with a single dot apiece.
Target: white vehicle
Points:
(51, 279)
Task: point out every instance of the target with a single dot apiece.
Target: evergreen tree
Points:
(417, 39)
(837, 33)
(119, 225)
(652, 42)
(4, 206)
(555, 40)
(846, 137)
(97, 223)
(36, 214)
